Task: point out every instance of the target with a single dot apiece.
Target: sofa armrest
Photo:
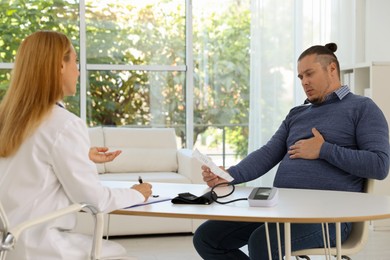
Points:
(189, 166)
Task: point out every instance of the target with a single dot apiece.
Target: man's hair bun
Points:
(331, 46)
(327, 49)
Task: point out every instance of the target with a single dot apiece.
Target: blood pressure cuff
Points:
(188, 198)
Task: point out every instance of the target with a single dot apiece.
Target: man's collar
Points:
(341, 92)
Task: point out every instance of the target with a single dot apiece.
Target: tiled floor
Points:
(160, 247)
(180, 247)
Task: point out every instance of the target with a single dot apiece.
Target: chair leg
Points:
(3, 255)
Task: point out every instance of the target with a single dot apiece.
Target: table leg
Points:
(268, 241)
(287, 241)
(327, 247)
(338, 240)
(108, 226)
(279, 242)
(326, 240)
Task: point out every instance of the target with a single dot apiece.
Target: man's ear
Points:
(332, 67)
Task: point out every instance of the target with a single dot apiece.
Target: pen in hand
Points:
(141, 181)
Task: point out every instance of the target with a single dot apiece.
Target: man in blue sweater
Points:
(334, 141)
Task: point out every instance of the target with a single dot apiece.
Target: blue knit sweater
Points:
(356, 147)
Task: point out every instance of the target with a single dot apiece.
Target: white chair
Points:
(9, 236)
(355, 242)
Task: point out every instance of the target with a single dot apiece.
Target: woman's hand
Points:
(145, 189)
(100, 154)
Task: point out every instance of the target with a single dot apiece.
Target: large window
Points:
(135, 60)
(221, 54)
(219, 72)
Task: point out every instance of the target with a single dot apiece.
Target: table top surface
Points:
(294, 205)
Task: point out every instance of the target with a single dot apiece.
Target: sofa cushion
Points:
(97, 139)
(168, 177)
(143, 149)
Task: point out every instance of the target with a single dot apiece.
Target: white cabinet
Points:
(373, 80)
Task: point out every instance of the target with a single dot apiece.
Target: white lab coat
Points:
(50, 171)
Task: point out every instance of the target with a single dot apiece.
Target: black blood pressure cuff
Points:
(188, 198)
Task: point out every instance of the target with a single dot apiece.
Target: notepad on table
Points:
(151, 200)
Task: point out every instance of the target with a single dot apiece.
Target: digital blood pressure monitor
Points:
(263, 197)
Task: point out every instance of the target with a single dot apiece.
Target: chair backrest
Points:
(4, 246)
(3, 220)
(356, 240)
(359, 232)
(369, 186)
(9, 236)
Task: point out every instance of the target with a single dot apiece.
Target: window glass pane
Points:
(4, 81)
(137, 98)
(20, 18)
(72, 103)
(135, 32)
(221, 82)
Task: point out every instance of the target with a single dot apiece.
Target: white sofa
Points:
(153, 154)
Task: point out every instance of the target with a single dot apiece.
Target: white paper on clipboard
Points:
(213, 167)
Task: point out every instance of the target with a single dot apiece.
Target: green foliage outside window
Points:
(120, 33)
(19, 18)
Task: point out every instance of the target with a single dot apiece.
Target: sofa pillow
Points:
(97, 139)
(143, 149)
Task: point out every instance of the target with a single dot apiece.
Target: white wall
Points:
(364, 36)
(377, 30)
(344, 24)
